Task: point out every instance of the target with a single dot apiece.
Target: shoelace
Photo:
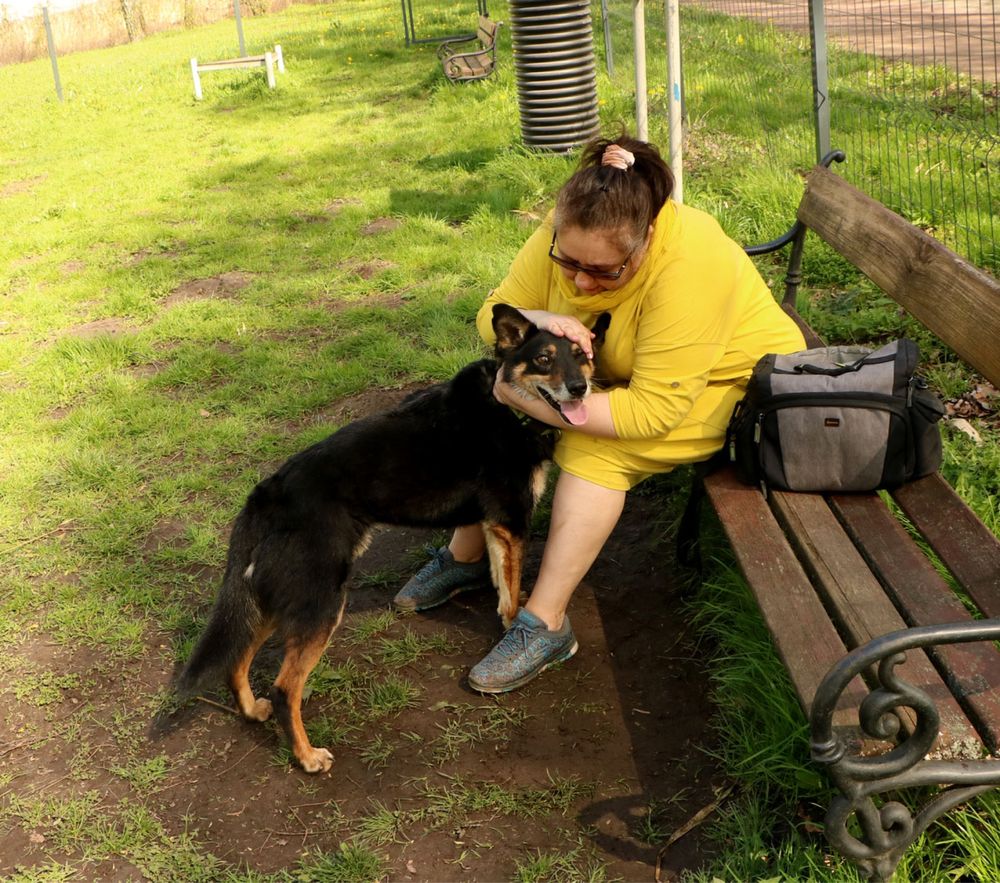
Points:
(514, 641)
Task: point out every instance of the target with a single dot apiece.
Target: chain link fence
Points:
(912, 96)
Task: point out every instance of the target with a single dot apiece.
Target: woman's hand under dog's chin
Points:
(598, 423)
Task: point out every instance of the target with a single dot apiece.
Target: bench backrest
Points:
(487, 31)
(958, 302)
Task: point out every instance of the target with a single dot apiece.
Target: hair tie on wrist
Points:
(617, 156)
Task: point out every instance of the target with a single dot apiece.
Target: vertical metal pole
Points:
(639, 41)
(674, 96)
(821, 93)
(52, 50)
(239, 27)
(609, 56)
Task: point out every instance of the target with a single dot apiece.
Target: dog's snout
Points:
(577, 388)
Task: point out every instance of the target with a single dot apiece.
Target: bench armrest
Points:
(888, 829)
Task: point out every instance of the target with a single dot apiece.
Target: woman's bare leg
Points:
(583, 516)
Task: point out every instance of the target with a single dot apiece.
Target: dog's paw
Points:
(316, 760)
(261, 710)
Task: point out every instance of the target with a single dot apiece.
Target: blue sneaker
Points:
(526, 650)
(439, 579)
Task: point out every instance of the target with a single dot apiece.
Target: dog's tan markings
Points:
(539, 480)
(506, 553)
(360, 550)
(239, 679)
(300, 659)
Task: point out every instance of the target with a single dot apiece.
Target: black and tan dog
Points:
(447, 456)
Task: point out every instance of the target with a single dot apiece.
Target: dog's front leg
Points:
(506, 551)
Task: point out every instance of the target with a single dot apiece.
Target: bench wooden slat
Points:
(966, 546)
(915, 270)
(920, 591)
(782, 592)
(854, 597)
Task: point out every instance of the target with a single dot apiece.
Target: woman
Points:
(690, 317)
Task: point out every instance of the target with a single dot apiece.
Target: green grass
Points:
(187, 287)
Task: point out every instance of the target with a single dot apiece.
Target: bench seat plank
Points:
(972, 671)
(854, 598)
(917, 271)
(966, 546)
(783, 593)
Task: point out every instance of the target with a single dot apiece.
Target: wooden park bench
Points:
(267, 62)
(471, 64)
(896, 671)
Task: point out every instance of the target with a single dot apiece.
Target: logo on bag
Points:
(832, 422)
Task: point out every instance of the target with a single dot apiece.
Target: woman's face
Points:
(595, 255)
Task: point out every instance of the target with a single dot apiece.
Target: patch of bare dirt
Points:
(381, 225)
(25, 185)
(111, 326)
(367, 269)
(225, 285)
(336, 206)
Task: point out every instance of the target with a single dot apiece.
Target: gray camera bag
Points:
(836, 419)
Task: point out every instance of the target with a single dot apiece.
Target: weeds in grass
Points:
(410, 647)
(555, 867)
(367, 627)
(377, 753)
(469, 726)
(352, 863)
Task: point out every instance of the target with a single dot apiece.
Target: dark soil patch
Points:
(368, 269)
(111, 326)
(381, 225)
(25, 185)
(472, 787)
(222, 286)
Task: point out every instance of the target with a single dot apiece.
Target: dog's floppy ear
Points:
(600, 328)
(511, 328)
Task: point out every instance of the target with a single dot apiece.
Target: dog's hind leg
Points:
(251, 707)
(506, 551)
(301, 656)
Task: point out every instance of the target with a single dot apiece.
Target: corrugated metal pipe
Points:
(556, 73)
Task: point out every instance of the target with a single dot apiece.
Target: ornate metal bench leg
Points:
(887, 830)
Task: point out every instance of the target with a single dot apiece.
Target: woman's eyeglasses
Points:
(577, 268)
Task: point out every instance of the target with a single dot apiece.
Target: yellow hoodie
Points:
(686, 331)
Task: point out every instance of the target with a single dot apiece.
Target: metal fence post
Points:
(675, 105)
(239, 27)
(609, 54)
(52, 50)
(821, 92)
(639, 41)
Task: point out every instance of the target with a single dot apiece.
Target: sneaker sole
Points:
(520, 682)
(418, 608)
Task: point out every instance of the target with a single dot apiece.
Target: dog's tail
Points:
(234, 622)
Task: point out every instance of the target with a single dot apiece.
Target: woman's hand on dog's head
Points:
(563, 326)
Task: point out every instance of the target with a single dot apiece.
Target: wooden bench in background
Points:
(846, 589)
(267, 61)
(462, 64)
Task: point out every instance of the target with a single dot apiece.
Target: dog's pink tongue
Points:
(575, 412)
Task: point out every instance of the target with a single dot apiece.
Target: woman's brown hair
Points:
(604, 197)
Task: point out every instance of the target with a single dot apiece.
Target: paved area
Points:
(961, 34)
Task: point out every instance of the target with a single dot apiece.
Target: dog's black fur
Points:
(450, 455)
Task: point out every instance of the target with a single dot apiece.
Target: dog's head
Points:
(541, 365)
